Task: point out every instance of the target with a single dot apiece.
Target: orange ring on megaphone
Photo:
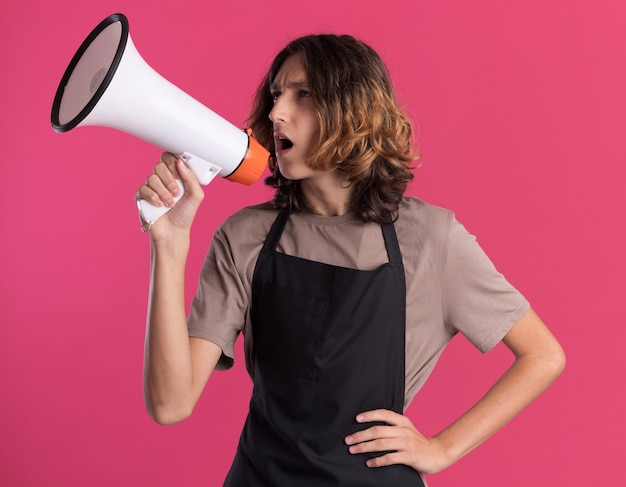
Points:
(252, 165)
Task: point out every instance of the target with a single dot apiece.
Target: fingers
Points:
(384, 415)
(395, 439)
(169, 160)
(167, 174)
(380, 437)
(375, 438)
(160, 188)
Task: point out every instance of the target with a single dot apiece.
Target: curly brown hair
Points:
(363, 132)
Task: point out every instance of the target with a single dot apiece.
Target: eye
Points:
(304, 93)
(275, 95)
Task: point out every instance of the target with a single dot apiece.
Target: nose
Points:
(279, 111)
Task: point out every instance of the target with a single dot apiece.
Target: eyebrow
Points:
(290, 84)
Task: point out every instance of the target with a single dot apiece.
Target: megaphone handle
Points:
(204, 171)
(151, 213)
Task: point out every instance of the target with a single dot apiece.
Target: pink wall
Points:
(521, 108)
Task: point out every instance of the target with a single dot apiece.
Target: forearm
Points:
(539, 359)
(168, 373)
(526, 379)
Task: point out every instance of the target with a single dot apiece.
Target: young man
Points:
(346, 291)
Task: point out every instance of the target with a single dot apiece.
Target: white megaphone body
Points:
(107, 83)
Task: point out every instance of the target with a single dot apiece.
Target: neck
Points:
(329, 195)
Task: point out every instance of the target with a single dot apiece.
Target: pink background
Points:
(521, 109)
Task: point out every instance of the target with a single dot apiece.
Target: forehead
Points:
(291, 73)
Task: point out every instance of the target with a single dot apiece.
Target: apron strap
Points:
(391, 241)
(275, 232)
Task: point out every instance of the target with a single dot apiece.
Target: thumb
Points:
(190, 181)
(187, 176)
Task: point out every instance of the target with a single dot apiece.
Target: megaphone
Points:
(107, 83)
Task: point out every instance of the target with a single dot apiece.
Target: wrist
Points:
(448, 453)
(174, 245)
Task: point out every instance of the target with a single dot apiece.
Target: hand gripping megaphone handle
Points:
(204, 171)
(150, 213)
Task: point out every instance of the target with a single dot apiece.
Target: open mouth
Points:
(283, 143)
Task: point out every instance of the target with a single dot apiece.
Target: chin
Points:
(290, 173)
(291, 177)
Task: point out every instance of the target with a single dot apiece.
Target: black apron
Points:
(329, 344)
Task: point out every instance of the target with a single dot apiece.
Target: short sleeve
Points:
(477, 300)
(219, 307)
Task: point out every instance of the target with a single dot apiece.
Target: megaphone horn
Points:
(107, 83)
